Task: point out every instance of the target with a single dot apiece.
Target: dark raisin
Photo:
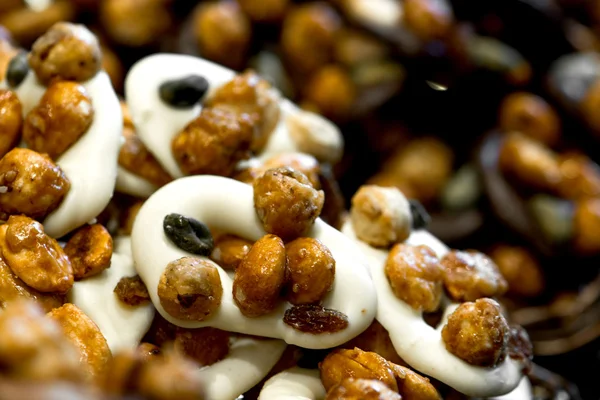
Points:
(184, 92)
(188, 234)
(17, 70)
(132, 291)
(315, 319)
(420, 217)
(520, 347)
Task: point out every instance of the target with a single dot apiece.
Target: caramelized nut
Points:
(264, 11)
(135, 157)
(522, 272)
(229, 251)
(132, 291)
(414, 386)
(531, 115)
(364, 389)
(11, 120)
(206, 346)
(587, 226)
(580, 177)
(147, 351)
(89, 250)
(427, 19)
(315, 319)
(331, 91)
(7, 52)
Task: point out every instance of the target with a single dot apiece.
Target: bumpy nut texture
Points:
(190, 288)
(35, 257)
(363, 389)
(304, 163)
(470, 275)
(380, 216)
(377, 340)
(33, 184)
(132, 291)
(66, 52)
(260, 277)
(477, 333)
(520, 269)
(63, 115)
(135, 157)
(531, 115)
(331, 92)
(89, 250)
(315, 135)
(94, 352)
(310, 271)
(205, 346)
(286, 203)
(580, 177)
(415, 275)
(213, 143)
(147, 351)
(251, 95)
(413, 386)
(11, 120)
(229, 251)
(354, 363)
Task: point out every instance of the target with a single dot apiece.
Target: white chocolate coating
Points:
(132, 184)
(420, 345)
(123, 326)
(294, 384)
(227, 205)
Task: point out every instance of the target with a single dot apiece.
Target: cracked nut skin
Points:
(521, 270)
(90, 250)
(477, 333)
(363, 389)
(35, 257)
(190, 289)
(35, 186)
(260, 277)
(520, 347)
(11, 120)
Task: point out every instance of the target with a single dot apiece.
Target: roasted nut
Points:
(364, 389)
(531, 115)
(87, 338)
(580, 177)
(377, 340)
(66, 52)
(342, 364)
(589, 105)
(89, 251)
(11, 120)
(7, 53)
(190, 288)
(470, 275)
(315, 319)
(331, 91)
(260, 277)
(214, 142)
(30, 184)
(132, 291)
(26, 24)
(477, 333)
(520, 347)
(310, 271)
(206, 346)
(147, 351)
(264, 11)
(135, 157)
(427, 19)
(229, 251)
(414, 386)
(380, 216)
(522, 272)
(301, 162)
(316, 136)
(286, 203)
(415, 275)
(586, 237)
(35, 257)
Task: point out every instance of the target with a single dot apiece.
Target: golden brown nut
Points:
(315, 135)
(135, 157)
(477, 333)
(520, 269)
(7, 52)
(11, 120)
(113, 67)
(310, 271)
(35, 257)
(586, 236)
(26, 24)
(260, 277)
(354, 47)
(127, 218)
(265, 10)
(63, 115)
(342, 364)
(415, 275)
(31, 184)
(531, 115)
(206, 346)
(414, 386)
(363, 389)
(213, 143)
(470, 275)
(147, 351)
(427, 19)
(132, 291)
(249, 94)
(87, 338)
(331, 91)
(229, 251)
(66, 52)
(89, 250)
(580, 177)
(286, 203)
(380, 216)
(219, 26)
(377, 340)
(190, 288)
(301, 162)
(589, 106)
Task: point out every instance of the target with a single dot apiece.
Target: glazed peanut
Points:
(206, 346)
(531, 115)
(229, 251)
(286, 203)
(63, 115)
(415, 275)
(520, 269)
(364, 389)
(426, 19)
(477, 333)
(35, 257)
(35, 186)
(190, 289)
(587, 226)
(66, 52)
(310, 271)
(580, 177)
(135, 157)
(213, 143)
(11, 120)
(301, 162)
(380, 216)
(260, 277)
(376, 339)
(87, 338)
(7, 52)
(147, 351)
(132, 291)
(264, 11)
(89, 250)
(331, 92)
(414, 386)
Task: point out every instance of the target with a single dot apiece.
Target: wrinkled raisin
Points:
(315, 319)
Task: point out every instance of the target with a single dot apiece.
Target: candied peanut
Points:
(206, 346)
(86, 336)
(415, 275)
(580, 177)
(89, 250)
(586, 222)
(589, 106)
(35, 257)
(315, 319)
(23, 389)
(265, 10)
(363, 389)
(331, 91)
(531, 115)
(213, 143)
(286, 203)
(219, 26)
(63, 115)
(310, 271)
(414, 386)
(377, 340)
(380, 216)
(427, 19)
(315, 135)
(477, 333)
(132, 291)
(11, 120)
(345, 363)
(229, 251)
(66, 52)
(190, 288)
(135, 157)
(7, 52)
(520, 269)
(251, 95)
(147, 351)
(31, 184)
(301, 162)
(260, 277)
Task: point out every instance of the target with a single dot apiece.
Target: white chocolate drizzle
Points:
(132, 184)
(294, 384)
